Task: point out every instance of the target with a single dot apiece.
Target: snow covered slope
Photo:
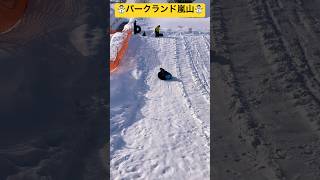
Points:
(160, 129)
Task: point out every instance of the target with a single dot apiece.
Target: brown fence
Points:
(11, 12)
(114, 63)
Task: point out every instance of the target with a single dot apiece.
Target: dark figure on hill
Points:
(157, 31)
(136, 28)
(164, 75)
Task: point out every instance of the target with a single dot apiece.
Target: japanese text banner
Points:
(159, 10)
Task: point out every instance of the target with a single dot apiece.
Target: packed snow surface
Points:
(116, 40)
(160, 129)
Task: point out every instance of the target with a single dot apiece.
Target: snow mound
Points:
(116, 43)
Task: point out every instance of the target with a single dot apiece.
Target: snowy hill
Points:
(160, 129)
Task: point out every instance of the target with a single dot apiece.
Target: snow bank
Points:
(116, 43)
(129, 25)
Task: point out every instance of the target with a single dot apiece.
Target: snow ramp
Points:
(160, 129)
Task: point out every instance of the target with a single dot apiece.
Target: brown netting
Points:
(10, 13)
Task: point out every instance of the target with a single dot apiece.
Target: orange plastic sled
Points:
(114, 63)
(10, 13)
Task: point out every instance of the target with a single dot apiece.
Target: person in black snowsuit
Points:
(164, 75)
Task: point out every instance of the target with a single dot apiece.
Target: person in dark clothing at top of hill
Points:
(164, 75)
(157, 31)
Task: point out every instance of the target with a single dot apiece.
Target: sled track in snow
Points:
(184, 64)
(232, 115)
(199, 69)
(291, 66)
(266, 90)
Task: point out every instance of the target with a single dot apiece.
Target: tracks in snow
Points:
(189, 71)
(266, 88)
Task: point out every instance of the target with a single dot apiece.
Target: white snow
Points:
(115, 43)
(160, 129)
(129, 25)
(182, 24)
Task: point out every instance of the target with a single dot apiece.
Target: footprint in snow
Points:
(136, 74)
